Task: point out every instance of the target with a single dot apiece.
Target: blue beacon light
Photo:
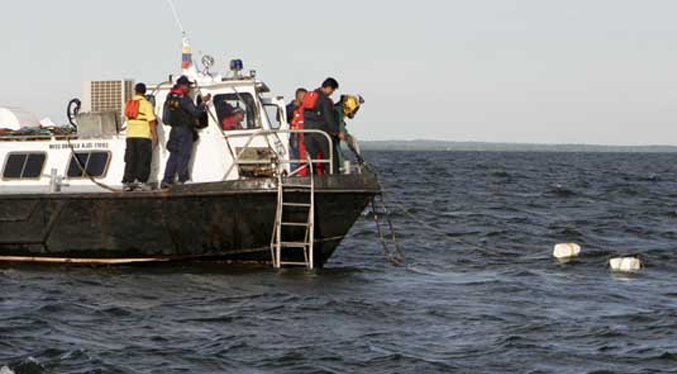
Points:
(236, 65)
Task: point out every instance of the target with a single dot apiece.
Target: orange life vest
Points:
(297, 119)
(297, 124)
(310, 100)
(132, 109)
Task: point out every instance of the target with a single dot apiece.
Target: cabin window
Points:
(274, 114)
(242, 100)
(94, 163)
(24, 166)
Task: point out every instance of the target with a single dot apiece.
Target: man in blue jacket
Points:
(181, 113)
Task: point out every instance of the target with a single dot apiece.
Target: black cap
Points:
(140, 88)
(183, 81)
(331, 83)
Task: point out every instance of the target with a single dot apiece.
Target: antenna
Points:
(176, 17)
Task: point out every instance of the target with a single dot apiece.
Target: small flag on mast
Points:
(187, 57)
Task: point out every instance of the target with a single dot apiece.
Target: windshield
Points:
(225, 103)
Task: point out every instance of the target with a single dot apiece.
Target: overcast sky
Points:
(546, 71)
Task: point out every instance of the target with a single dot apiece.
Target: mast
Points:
(187, 66)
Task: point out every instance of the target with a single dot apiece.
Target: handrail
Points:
(259, 133)
(44, 137)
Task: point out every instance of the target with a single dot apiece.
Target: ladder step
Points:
(297, 205)
(295, 224)
(294, 263)
(294, 244)
(304, 186)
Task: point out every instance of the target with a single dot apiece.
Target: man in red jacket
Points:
(320, 116)
(233, 119)
(297, 146)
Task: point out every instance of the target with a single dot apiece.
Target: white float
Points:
(566, 251)
(16, 118)
(626, 264)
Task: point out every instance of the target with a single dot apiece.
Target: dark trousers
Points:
(318, 148)
(338, 154)
(336, 143)
(294, 152)
(180, 146)
(138, 156)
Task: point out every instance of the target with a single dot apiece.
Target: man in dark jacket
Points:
(181, 113)
(297, 151)
(295, 104)
(322, 117)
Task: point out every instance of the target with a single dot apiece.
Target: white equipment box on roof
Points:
(16, 118)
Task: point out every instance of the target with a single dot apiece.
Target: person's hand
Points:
(342, 136)
(153, 133)
(207, 98)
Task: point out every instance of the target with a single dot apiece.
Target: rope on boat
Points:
(436, 230)
(393, 251)
(84, 170)
(395, 256)
(392, 200)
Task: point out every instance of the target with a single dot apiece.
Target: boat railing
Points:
(36, 138)
(237, 156)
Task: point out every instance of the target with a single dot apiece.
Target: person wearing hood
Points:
(347, 107)
(181, 113)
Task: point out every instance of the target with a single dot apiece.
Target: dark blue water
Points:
(481, 294)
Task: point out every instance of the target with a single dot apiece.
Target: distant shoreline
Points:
(446, 146)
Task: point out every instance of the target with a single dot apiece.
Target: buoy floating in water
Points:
(626, 264)
(566, 251)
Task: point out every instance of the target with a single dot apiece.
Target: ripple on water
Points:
(481, 294)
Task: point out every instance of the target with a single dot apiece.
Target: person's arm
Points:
(152, 121)
(328, 111)
(189, 106)
(290, 112)
(165, 114)
(153, 133)
(227, 124)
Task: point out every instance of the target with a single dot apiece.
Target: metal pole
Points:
(176, 17)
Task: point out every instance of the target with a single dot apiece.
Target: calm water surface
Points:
(481, 293)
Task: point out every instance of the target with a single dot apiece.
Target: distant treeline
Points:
(431, 145)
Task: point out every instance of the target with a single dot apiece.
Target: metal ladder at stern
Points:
(286, 243)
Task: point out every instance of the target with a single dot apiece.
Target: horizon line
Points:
(519, 143)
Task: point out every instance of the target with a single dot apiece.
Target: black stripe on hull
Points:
(229, 221)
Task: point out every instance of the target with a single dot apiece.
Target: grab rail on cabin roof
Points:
(259, 133)
(18, 138)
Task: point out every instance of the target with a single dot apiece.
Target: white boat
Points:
(62, 200)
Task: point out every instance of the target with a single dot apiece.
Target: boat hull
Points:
(228, 221)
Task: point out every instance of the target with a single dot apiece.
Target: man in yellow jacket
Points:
(141, 139)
